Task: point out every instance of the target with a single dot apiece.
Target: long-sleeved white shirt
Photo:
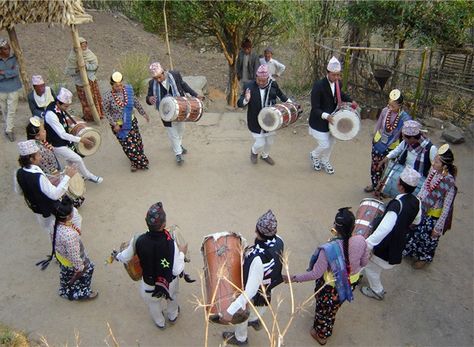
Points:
(48, 189)
(411, 156)
(275, 68)
(129, 252)
(52, 119)
(255, 278)
(386, 226)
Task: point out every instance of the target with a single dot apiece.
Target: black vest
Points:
(391, 247)
(426, 159)
(34, 197)
(270, 253)
(156, 254)
(51, 135)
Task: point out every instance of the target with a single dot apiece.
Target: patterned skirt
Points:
(420, 245)
(377, 157)
(132, 146)
(81, 289)
(86, 110)
(327, 304)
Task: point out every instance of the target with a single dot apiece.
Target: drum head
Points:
(346, 125)
(89, 132)
(269, 119)
(77, 186)
(168, 109)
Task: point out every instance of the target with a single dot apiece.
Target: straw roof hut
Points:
(63, 12)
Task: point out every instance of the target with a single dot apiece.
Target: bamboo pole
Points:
(345, 74)
(19, 57)
(82, 71)
(381, 49)
(166, 35)
(420, 79)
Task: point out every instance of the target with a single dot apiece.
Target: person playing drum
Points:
(388, 240)
(58, 136)
(40, 194)
(335, 266)
(118, 107)
(437, 202)
(162, 261)
(264, 254)
(387, 135)
(325, 97)
(257, 94)
(415, 151)
(169, 83)
(49, 163)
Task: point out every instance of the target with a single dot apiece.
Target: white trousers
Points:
(48, 223)
(325, 143)
(8, 105)
(373, 270)
(241, 330)
(175, 134)
(155, 304)
(263, 143)
(71, 157)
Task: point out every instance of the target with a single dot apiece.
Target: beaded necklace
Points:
(47, 145)
(432, 185)
(117, 100)
(390, 127)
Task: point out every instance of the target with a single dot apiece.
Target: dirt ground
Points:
(217, 189)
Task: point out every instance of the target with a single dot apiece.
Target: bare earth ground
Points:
(217, 189)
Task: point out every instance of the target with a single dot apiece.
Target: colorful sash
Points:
(127, 114)
(338, 268)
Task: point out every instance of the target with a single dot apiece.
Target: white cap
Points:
(3, 42)
(334, 65)
(37, 80)
(117, 77)
(410, 176)
(27, 147)
(65, 96)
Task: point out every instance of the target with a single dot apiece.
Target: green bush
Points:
(134, 68)
(55, 79)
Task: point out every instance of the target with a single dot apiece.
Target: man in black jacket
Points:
(324, 100)
(389, 239)
(257, 94)
(169, 83)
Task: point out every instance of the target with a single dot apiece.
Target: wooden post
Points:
(82, 71)
(15, 45)
(420, 79)
(166, 35)
(345, 74)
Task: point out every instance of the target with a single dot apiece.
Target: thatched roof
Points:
(65, 12)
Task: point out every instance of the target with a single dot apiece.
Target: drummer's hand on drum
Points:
(247, 95)
(70, 171)
(183, 248)
(88, 142)
(152, 99)
(116, 128)
(330, 119)
(201, 97)
(226, 317)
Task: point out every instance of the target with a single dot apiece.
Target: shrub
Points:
(134, 67)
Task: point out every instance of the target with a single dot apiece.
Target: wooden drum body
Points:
(279, 116)
(222, 254)
(133, 267)
(181, 109)
(390, 188)
(367, 212)
(346, 123)
(81, 129)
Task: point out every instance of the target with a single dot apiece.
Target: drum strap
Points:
(338, 93)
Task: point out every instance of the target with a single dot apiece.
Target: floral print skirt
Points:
(81, 289)
(327, 304)
(420, 245)
(132, 146)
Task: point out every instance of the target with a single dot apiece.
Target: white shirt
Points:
(48, 189)
(411, 157)
(387, 224)
(129, 252)
(52, 119)
(275, 68)
(255, 278)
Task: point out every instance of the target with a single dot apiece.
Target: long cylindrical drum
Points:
(181, 109)
(222, 254)
(392, 173)
(346, 122)
(81, 129)
(133, 267)
(279, 116)
(369, 210)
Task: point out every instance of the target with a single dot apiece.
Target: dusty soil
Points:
(217, 189)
